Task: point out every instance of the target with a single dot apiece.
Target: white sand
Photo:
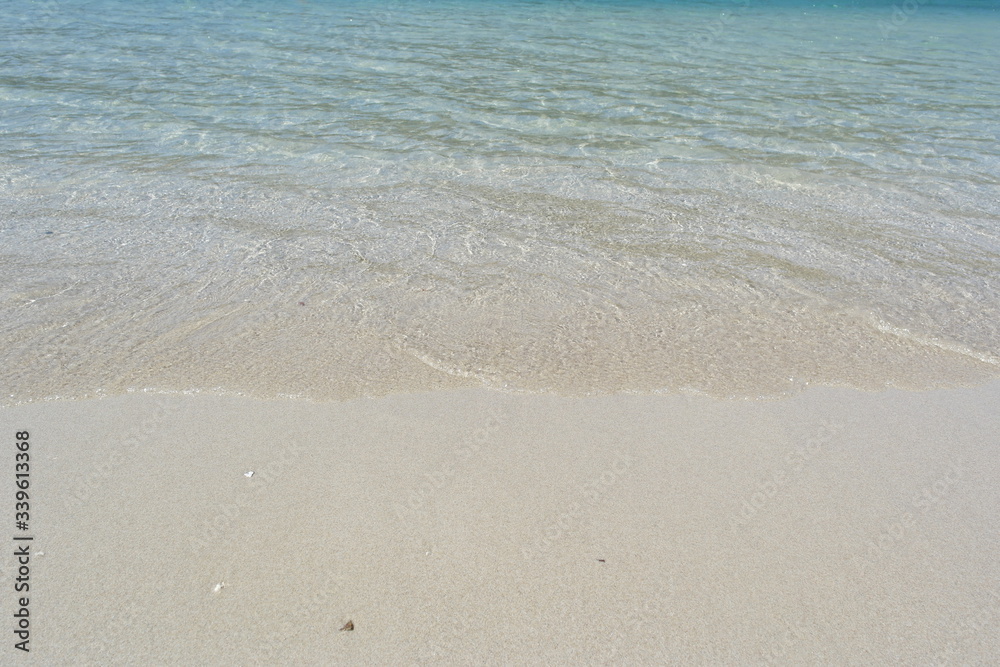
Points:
(472, 527)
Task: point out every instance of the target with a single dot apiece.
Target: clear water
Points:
(334, 199)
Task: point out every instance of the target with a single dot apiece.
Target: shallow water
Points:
(333, 199)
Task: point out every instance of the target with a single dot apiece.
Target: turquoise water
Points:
(333, 199)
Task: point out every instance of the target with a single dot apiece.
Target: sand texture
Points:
(475, 527)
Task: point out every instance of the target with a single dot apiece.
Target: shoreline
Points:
(468, 525)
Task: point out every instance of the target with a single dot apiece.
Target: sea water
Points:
(332, 199)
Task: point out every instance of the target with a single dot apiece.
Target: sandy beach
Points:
(475, 527)
(500, 333)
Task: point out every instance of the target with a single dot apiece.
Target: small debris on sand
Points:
(347, 626)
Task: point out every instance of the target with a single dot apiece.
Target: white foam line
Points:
(948, 346)
(454, 371)
(441, 367)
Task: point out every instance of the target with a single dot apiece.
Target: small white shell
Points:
(219, 586)
(248, 473)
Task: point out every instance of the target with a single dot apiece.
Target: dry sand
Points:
(473, 527)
